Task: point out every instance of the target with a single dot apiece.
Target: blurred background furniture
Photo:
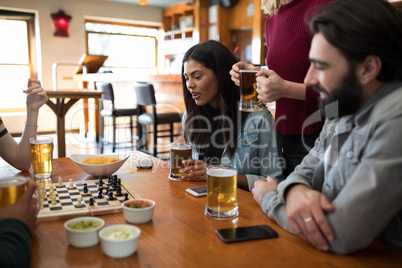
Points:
(109, 110)
(154, 117)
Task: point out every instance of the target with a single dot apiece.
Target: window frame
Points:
(120, 34)
(29, 19)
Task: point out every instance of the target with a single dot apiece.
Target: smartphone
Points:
(197, 191)
(144, 162)
(246, 233)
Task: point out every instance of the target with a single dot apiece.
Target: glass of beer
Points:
(42, 156)
(221, 192)
(11, 190)
(248, 92)
(179, 151)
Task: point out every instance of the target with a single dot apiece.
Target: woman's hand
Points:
(36, 95)
(234, 73)
(270, 86)
(198, 170)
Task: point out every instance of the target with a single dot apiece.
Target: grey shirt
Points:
(357, 164)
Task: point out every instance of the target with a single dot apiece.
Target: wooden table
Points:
(180, 235)
(60, 108)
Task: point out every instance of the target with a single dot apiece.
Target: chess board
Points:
(66, 200)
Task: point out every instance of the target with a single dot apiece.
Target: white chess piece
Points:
(71, 184)
(79, 204)
(54, 202)
(60, 182)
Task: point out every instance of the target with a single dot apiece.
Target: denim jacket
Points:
(258, 153)
(357, 164)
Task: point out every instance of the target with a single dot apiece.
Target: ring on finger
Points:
(306, 220)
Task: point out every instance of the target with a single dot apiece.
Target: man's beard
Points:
(347, 95)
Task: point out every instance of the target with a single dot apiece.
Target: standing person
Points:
(17, 225)
(348, 189)
(18, 154)
(288, 43)
(219, 132)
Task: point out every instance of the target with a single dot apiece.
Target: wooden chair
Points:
(108, 109)
(146, 98)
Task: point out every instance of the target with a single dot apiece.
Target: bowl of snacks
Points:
(99, 165)
(119, 241)
(82, 232)
(138, 211)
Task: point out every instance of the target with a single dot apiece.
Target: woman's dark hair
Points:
(359, 28)
(218, 58)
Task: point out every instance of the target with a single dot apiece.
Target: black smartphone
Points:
(246, 233)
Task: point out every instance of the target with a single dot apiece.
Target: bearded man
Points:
(348, 190)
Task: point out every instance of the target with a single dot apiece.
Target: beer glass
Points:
(11, 190)
(42, 156)
(248, 92)
(221, 192)
(179, 151)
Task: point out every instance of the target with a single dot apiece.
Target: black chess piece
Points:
(100, 181)
(118, 191)
(111, 197)
(100, 192)
(85, 188)
(125, 196)
(91, 201)
(107, 191)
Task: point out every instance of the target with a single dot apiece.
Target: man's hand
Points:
(263, 186)
(25, 209)
(305, 211)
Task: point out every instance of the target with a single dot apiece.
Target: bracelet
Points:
(31, 125)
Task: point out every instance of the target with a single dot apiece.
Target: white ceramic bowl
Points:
(136, 214)
(115, 241)
(99, 170)
(83, 238)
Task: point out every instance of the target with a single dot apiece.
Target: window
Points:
(17, 31)
(130, 49)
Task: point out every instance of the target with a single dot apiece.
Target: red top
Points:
(288, 42)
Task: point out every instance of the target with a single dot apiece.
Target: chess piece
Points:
(100, 181)
(100, 192)
(79, 204)
(118, 191)
(91, 201)
(125, 196)
(85, 188)
(111, 197)
(60, 182)
(54, 202)
(71, 186)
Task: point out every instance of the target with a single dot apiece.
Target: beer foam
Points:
(14, 181)
(221, 172)
(180, 147)
(41, 141)
(249, 71)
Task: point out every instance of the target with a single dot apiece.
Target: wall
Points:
(69, 50)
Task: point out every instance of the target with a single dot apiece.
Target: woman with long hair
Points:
(219, 132)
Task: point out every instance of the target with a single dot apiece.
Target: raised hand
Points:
(36, 95)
